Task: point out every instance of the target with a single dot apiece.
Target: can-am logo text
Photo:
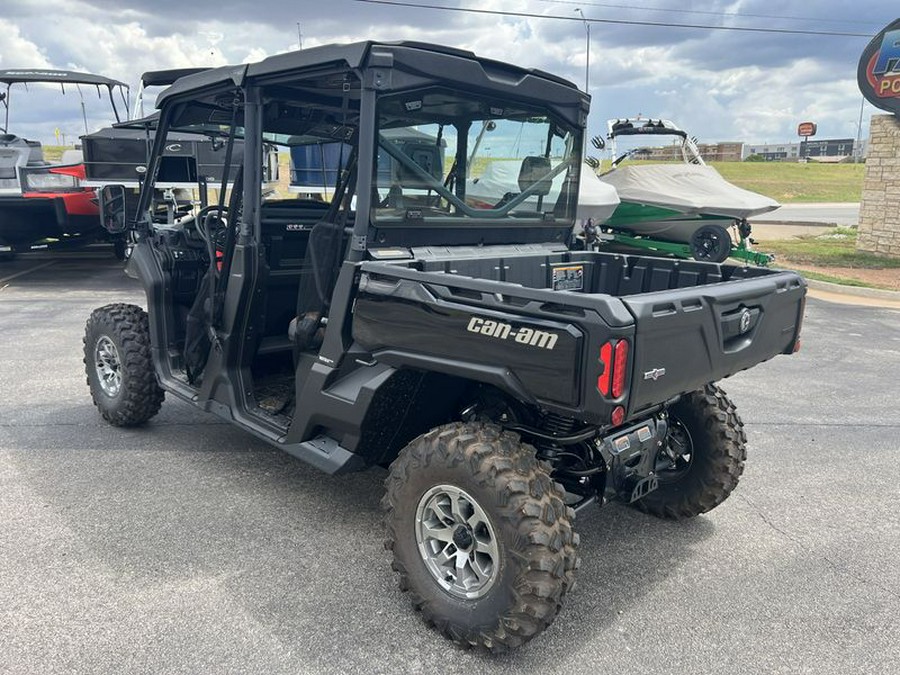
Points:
(505, 331)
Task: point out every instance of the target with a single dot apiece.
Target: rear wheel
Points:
(702, 459)
(480, 535)
(711, 243)
(119, 366)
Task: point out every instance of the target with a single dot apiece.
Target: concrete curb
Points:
(798, 223)
(840, 289)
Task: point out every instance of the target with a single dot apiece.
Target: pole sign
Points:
(878, 73)
(806, 129)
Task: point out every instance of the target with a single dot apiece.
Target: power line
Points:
(619, 22)
(737, 15)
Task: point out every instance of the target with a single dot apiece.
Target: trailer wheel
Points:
(703, 457)
(119, 367)
(480, 535)
(711, 243)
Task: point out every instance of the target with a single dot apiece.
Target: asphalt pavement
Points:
(187, 546)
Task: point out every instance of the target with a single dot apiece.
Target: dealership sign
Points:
(878, 73)
(806, 129)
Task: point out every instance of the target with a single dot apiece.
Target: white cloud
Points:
(16, 50)
(720, 86)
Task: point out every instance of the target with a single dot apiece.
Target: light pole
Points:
(857, 150)
(587, 49)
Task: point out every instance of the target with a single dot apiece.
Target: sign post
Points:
(804, 131)
(878, 76)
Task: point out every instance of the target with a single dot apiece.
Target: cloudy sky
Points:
(719, 85)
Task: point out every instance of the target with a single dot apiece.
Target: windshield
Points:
(444, 154)
(642, 139)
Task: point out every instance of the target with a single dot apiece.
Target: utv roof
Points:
(26, 75)
(428, 60)
(162, 78)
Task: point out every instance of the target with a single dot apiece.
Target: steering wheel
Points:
(206, 215)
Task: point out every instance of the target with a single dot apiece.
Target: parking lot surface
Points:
(188, 546)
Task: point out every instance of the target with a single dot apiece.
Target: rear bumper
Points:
(26, 219)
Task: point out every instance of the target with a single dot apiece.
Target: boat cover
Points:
(596, 200)
(688, 189)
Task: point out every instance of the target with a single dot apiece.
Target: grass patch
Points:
(828, 251)
(53, 153)
(843, 281)
(790, 182)
(833, 257)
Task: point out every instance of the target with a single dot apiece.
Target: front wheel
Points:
(480, 535)
(702, 458)
(119, 365)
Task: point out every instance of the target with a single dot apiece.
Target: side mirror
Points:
(112, 208)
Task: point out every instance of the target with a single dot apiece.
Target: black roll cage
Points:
(369, 71)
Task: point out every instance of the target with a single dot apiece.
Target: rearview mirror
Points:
(112, 208)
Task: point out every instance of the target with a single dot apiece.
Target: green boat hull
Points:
(645, 220)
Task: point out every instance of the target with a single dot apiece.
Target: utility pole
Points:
(299, 36)
(587, 49)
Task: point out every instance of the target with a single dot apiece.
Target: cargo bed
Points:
(689, 323)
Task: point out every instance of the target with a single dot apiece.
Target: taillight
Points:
(620, 368)
(606, 359)
(614, 357)
(618, 415)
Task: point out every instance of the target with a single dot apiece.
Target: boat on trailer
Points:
(46, 205)
(684, 207)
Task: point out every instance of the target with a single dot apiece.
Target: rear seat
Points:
(285, 226)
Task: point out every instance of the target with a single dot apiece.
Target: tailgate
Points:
(688, 337)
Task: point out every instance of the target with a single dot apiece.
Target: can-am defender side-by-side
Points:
(45, 205)
(505, 379)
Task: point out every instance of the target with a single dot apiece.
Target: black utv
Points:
(506, 378)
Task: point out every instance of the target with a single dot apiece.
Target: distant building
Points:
(729, 151)
(830, 149)
(824, 150)
(774, 152)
